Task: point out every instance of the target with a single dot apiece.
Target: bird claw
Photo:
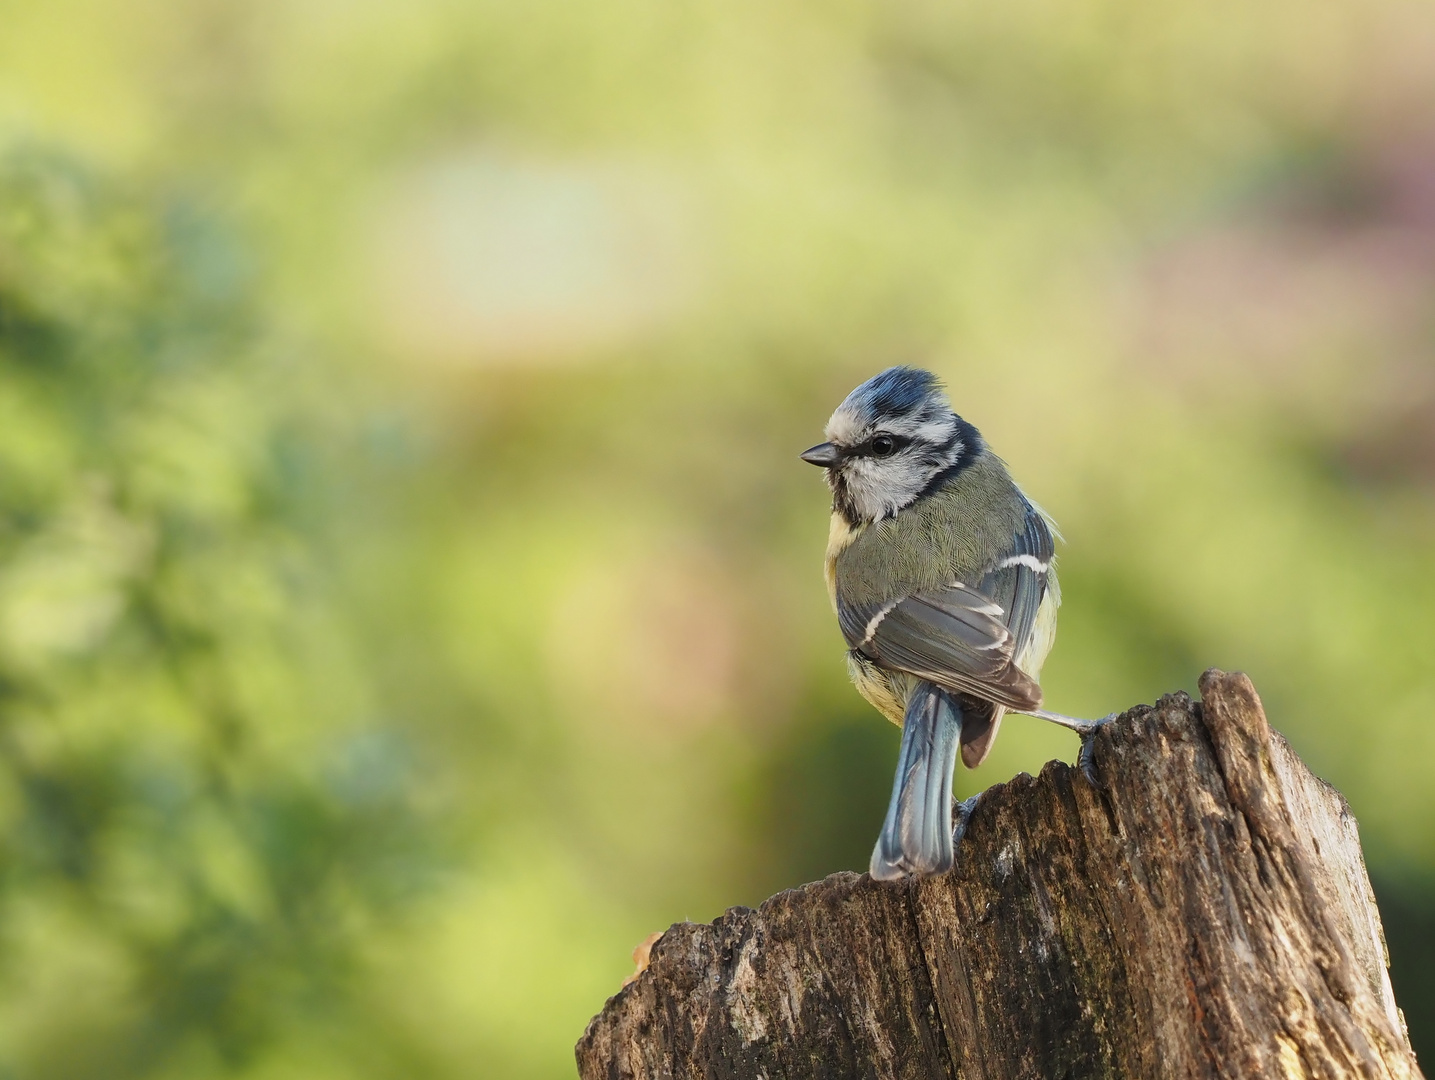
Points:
(962, 816)
(1086, 759)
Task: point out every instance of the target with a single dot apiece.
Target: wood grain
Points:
(1205, 913)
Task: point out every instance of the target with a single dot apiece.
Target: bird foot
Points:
(1087, 729)
(961, 816)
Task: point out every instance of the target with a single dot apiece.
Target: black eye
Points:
(883, 445)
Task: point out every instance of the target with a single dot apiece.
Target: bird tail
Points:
(917, 835)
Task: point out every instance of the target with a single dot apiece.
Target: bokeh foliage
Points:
(409, 593)
(193, 831)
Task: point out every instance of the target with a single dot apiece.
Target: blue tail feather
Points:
(917, 834)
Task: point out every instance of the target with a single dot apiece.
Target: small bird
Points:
(943, 576)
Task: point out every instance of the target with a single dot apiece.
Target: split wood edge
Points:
(1207, 913)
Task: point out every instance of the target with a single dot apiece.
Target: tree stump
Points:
(1204, 912)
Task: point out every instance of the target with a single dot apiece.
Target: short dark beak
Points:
(824, 455)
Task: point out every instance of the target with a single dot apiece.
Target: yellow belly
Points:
(887, 691)
(839, 538)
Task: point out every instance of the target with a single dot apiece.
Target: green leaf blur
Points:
(410, 596)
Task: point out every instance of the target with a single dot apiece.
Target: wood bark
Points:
(1203, 912)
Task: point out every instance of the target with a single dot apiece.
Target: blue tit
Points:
(943, 576)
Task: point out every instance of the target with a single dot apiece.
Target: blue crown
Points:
(898, 391)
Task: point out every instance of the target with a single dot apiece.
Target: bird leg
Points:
(1087, 729)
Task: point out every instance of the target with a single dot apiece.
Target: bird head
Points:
(892, 441)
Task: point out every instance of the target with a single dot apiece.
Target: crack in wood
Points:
(1206, 913)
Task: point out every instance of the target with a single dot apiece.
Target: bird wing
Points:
(965, 637)
(1019, 582)
(954, 637)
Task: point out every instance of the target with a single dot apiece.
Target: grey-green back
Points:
(948, 589)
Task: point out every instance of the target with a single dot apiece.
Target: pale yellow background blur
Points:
(410, 595)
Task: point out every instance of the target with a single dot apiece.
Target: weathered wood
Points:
(1205, 913)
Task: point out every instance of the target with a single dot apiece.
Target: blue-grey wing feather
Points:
(955, 637)
(1020, 586)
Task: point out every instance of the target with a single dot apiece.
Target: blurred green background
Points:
(410, 596)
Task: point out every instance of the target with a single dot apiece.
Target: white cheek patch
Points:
(875, 491)
(887, 488)
(862, 473)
